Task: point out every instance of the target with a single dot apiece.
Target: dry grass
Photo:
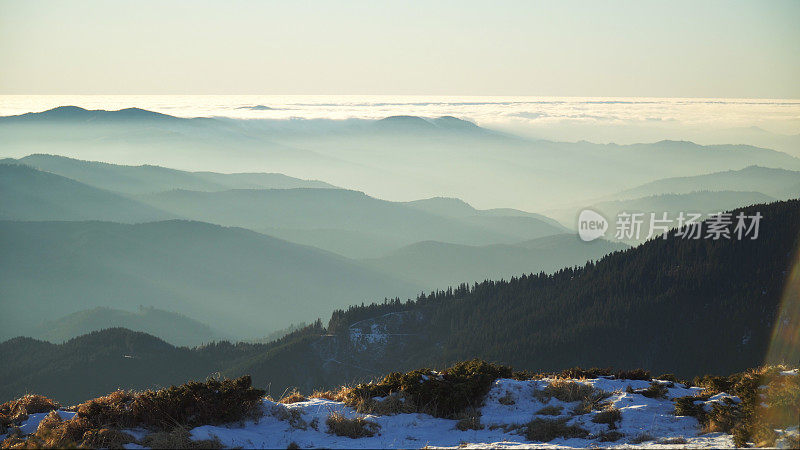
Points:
(443, 393)
(469, 419)
(507, 399)
(609, 416)
(564, 390)
(641, 437)
(545, 430)
(97, 422)
(292, 397)
(352, 428)
(395, 403)
(655, 390)
(610, 436)
(672, 441)
(338, 395)
(550, 411)
(108, 438)
(177, 438)
(595, 401)
(15, 411)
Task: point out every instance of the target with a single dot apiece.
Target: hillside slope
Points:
(770, 181)
(147, 178)
(30, 194)
(173, 328)
(650, 306)
(434, 264)
(243, 283)
(322, 217)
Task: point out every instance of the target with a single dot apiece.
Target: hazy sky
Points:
(562, 48)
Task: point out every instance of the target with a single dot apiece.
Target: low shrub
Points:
(550, 411)
(396, 403)
(442, 394)
(578, 373)
(672, 441)
(564, 390)
(15, 411)
(595, 401)
(655, 390)
(292, 397)
(687, 406)
(507, 399)
(187, 406)
(352, 428)
(469, 419)
(610, 436)
(609, 417)
(635, 374)
(178, 437)
(545, 430)
(641, 437)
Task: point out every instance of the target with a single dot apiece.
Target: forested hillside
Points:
(683, 306)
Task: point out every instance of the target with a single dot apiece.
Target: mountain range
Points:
(648, 306)
(397, 158)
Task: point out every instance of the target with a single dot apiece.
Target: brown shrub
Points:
(507, 399)
(609, 416)
(15, 411)
(177, 438)
(190, 404)
(564, 390)
(292, 397)
(641, 437)
(550, 411)
(107, 438)
(444, 394)
(595, 401)
(469, 419)
(352, 428)
(97, 421)
(655, 390)
(577, 372)
(339, 395)
(610, 436)
(397, 403)
(545, 430)
(635, 374)
(672, 441)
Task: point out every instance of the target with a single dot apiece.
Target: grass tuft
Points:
(352, 428)
(545, 430)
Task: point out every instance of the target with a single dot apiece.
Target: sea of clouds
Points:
(772, 123)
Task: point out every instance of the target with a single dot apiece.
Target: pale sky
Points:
(730, 49)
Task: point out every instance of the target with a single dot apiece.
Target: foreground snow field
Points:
(507, 410)
(509, 405)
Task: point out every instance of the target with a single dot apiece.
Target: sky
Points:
(719, 49)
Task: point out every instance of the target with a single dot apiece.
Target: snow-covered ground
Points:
(508, 407)
(502, 423)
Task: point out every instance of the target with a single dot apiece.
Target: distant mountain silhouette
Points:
(322, 217)
(397, 157)
(256, 108)
(174, 328)
(240, 282)
(434, 264)
(704, 202)
(651, 306)
(30, 194)
(78, 114)
(770, 181)
(148, 178)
